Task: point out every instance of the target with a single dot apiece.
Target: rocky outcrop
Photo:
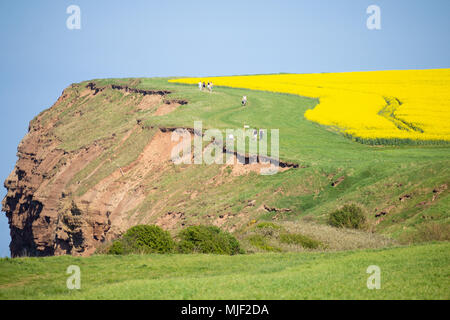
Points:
(44, 217)
(41, 221)
(92, 86)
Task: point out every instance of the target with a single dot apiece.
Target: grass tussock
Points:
(273, 237)
(299, 239)
(262, 242)
(427, 233)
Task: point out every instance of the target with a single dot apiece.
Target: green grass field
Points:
(376, 178)
(415, 272)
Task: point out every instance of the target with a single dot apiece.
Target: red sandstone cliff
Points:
(45, 217)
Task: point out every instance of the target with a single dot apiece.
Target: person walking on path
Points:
(200, 85)
(244, 101)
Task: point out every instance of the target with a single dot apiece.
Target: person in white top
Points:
(244, 100)
(200, 85)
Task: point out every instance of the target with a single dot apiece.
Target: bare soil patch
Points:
(169, 106)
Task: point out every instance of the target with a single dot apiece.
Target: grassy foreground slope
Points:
(415, 272)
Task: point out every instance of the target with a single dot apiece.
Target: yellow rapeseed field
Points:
(409, 104)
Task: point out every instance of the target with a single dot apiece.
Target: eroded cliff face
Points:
(94, 165)
(44, 214)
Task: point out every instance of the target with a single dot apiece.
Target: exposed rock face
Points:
(41, 221)
(44, 218)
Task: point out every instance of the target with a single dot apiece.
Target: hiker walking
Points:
(244, 101)
(209, 87)
(255, 134)
(261, 133)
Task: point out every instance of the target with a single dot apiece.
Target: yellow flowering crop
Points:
(410, 104)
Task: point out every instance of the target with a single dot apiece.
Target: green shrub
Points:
(299, 239)
(146, 239)
(116, 247)
(207, 239)
(349, 216)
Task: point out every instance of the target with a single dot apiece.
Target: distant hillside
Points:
(98, 161)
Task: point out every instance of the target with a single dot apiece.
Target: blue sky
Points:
(39, 56)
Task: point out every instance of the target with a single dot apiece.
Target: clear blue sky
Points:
(39, 56)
